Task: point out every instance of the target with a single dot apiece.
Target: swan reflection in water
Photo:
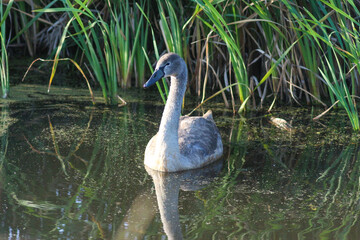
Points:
(167, 186)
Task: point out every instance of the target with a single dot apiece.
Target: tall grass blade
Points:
(4, 61)
(56, 58)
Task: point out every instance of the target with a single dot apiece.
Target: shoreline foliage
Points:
(253, 53)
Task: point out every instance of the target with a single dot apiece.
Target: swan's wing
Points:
(198, 136)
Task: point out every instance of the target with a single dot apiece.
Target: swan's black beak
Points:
(157, 75)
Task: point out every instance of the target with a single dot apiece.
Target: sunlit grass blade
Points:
(56, 58)
(4, 61)
(4, 69)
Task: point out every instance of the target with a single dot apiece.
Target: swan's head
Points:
(168, 65)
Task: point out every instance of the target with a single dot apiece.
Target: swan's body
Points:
(181, 143)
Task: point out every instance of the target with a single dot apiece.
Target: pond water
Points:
(69, 170)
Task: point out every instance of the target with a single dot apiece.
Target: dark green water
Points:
(72, 171)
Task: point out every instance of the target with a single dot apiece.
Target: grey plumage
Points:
(182, 143)
(197, 136)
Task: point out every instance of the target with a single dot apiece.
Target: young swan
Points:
(181, 143)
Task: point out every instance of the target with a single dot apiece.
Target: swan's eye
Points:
(167, 64)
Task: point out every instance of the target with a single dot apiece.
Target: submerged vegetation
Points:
(254, 53)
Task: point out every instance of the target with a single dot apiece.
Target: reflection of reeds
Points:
(63, 159)
(342, 175)
(338, 197)
(4, 125)
(97, 181)
(254, 204)
(217, 195)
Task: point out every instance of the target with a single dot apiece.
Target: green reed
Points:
(130, 37)
(30, 32)
(171, 31)
(308, 55)
(220, 26)
(172, 35)
(4, 62)
(108, 46)
(4, 69)
(102, 63)
(336, 83)
(270, 25)
(339, 61)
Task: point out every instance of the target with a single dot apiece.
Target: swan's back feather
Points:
(198, 137)
(208, 115)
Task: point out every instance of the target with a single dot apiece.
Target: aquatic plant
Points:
(107, 46)
(221, 27)
(338, 86)
(4, 69)
(102, 63)
(347, 63)
(129, 35)
(139, 57)
(339, 61)
(4, 62)
(172, 34)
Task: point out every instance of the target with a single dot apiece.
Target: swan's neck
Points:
(167, 138)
